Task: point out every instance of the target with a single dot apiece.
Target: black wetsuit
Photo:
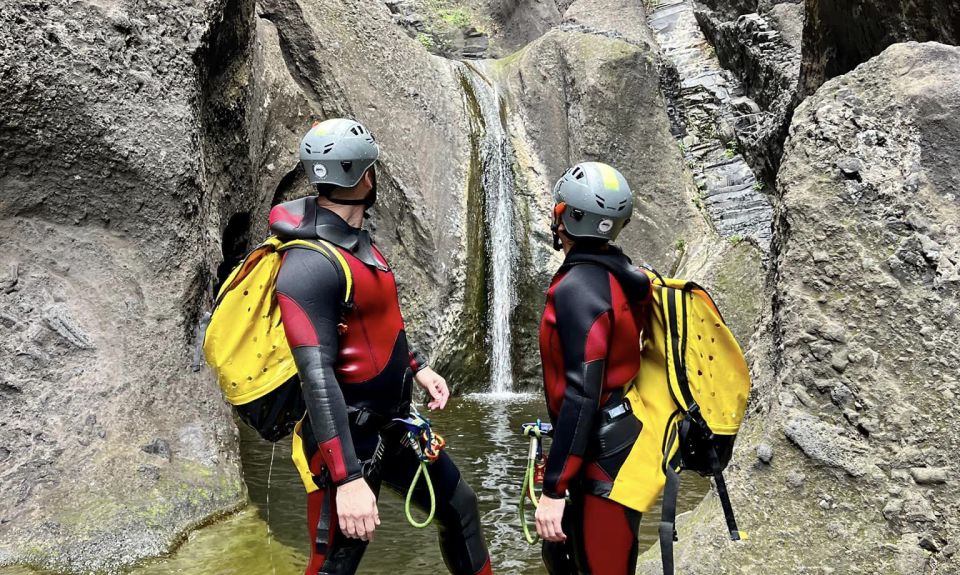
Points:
(590, 348)
(356, 369)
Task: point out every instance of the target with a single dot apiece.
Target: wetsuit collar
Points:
(332, 228)
(631, 278)
(586, 252)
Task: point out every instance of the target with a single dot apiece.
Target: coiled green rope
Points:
(421, 470)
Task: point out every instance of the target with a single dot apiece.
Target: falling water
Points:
(497, 159)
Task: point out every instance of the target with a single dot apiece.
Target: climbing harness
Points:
(427, 445)
(536, 463)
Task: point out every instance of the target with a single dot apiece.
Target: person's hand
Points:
(357, 510)
(435, 385)
(549, 518)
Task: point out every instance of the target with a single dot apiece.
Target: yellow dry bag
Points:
(690, 396)
(245, 343)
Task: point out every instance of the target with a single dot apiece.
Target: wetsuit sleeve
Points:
(418, 360)
(582, 302)
(309, 293)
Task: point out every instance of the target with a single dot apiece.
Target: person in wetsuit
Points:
(590, 349)
(356, 367)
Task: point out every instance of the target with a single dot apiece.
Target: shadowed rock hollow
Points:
(111, 446)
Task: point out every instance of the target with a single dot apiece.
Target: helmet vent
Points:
(328, 147)
(600, 200)
(356, 130)
(307, 148)
(578, 173)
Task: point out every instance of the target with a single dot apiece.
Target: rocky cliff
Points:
(846, 461)
(142, 145)
(838, 36)
(111, 446)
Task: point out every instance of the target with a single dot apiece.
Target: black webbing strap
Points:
(668, 509)
(724, 496)
(668, 518)
(678, 345)
(322, 539)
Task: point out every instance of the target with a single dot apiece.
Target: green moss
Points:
(446, 16)
(508, 61)
(468, 362)
(426, 40)
(456, 17)
(739, 284)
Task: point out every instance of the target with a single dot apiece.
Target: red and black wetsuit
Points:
(356, 370)
(590, 348)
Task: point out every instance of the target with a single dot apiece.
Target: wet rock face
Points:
(840, 35)
(760, 44)
(859, 360)
(710, 118)
(475, 29)
(102, 215)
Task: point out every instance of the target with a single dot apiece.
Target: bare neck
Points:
(353, 215)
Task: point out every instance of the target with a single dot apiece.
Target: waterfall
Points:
(497, 181)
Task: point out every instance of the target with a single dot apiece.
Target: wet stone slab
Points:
(710, 106)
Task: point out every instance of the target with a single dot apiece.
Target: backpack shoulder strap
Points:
(674, 307)
(336, 258)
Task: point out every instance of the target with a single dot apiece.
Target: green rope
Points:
(433, 498)
(527, 492)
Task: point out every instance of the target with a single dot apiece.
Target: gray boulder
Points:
(112, 445)
(866, 271)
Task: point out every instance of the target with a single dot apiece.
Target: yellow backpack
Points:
(690, 396)
(245, 343)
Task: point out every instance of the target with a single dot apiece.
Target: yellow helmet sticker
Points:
(610, 180)
(325, 127)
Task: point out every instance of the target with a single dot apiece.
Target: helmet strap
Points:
(366, 201)
(343, 202)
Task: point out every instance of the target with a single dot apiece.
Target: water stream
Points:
(271, 536)
(498, 188)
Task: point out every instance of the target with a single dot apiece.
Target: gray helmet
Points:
(597, 198)
(337, 152)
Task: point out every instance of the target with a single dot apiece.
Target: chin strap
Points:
(368, 201)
